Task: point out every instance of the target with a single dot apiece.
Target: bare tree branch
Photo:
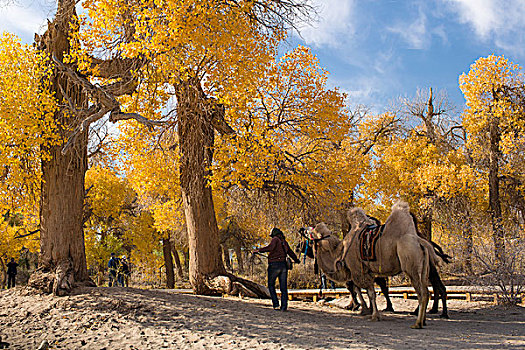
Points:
(106, 103)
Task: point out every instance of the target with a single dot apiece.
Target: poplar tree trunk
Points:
(498, 234)
(186, 256)
(168, 263)
(197, 118)
(468, 248)
(226, 258)
(62, 262)
(240, 259)
(196, 137)
(3, 268)
(176, 258)
(426, 227)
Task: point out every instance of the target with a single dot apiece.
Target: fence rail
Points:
(468, 293)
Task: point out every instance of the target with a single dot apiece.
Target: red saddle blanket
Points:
(367, 241)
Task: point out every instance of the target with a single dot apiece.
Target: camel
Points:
(398, 249)
(440, 291)
(306, 247)
(325, 252)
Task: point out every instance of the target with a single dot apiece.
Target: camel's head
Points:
(320, 231)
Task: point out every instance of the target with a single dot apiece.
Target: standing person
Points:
(113, 265)
(124, 272)
(277, 250)
(11, 273)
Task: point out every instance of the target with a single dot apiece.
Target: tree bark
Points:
(176, 258)
(468, 248)
(196, 137)
(3, 267)
(186, 256)
(226, 257)
(240, 259)
(168, 263)
(198, 117)
(62, 253)
(498, 234)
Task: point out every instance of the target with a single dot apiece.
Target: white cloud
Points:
(334, 24)
(484, 16)
(368, 90)
(24, 18)
(414, 33)
(497, 20)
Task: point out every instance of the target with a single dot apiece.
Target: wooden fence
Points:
(468, 293)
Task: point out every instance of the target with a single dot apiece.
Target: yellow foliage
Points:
(489, 88)
(152, 167)
(26, 123)
(12, 242)
(107, 192)
(411, 167)
(289, 134)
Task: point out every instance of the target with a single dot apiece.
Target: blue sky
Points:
(377, 50)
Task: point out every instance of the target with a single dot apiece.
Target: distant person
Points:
(11, 273)
(323, 282)
(113, 266)
(278, 250)
(124, 272)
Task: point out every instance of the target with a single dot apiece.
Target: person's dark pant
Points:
(113, 278)
(278, 270)
(11, 280)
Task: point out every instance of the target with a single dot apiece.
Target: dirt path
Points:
(119, 318)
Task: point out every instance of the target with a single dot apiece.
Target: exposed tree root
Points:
(60, 282)
(232, 285)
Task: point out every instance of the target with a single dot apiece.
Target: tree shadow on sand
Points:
(303, 328)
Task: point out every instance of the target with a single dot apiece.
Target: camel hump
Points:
(401, 206)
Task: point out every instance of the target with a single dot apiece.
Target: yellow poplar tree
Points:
(289, 138)
(109, 215)
(204, 54)
(26, 126)
(494, 122)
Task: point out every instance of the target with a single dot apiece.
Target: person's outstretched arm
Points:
(269, 247)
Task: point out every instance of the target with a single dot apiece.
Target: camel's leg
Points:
(444, 313)
(355, 304)
(435, 300)
(439, 288)
(440, 292)
(365, 310)
(433, 276)
(414, 260)
(382, 283)
(372, 297)
(420, 286)
(422, 296)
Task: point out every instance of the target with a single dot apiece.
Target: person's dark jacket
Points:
(276, 250)
(11, 268)
(113, 264)
(124, 267)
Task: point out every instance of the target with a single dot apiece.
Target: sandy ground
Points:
(127, 318)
